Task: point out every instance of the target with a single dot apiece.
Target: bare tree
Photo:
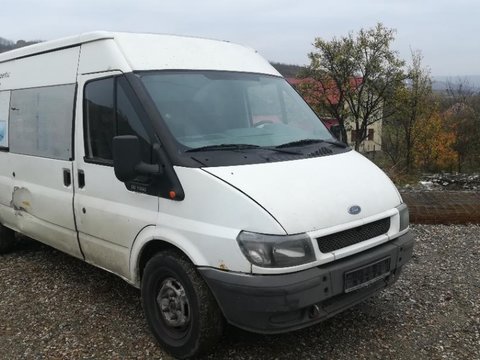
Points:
(463, 115)
(459, 90)
(413, 102)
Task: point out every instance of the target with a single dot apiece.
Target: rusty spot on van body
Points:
(223, 266)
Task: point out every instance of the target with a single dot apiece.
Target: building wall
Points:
(368, 145)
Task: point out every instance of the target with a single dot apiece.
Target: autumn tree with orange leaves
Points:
(462, 112)
(412, 103)
(434, 148)
(358, 80)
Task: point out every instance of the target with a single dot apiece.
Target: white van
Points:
(191, 169)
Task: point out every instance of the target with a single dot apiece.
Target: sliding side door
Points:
(41, 166)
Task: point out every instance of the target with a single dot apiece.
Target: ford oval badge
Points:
(354, 210)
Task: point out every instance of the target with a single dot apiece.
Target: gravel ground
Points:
(54, 306)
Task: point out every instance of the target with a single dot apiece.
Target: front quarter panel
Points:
(206, 223)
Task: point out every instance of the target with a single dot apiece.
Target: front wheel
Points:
(180, 309)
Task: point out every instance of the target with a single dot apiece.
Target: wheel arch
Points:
(150, 241)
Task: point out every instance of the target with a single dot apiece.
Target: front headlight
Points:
(404, 216)
(274, 251)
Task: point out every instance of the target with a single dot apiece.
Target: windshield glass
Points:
(209, 108)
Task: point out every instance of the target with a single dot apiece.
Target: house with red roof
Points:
(318, 94)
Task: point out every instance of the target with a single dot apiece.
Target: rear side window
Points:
(41, 121)
(110, 109)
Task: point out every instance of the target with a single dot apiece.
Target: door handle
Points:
(81, 179)
(67, 177)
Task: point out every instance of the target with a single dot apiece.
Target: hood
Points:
(312, 194)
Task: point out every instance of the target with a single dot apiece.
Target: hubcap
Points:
(173, 303)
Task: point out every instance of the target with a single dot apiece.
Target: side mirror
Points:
(127, 159)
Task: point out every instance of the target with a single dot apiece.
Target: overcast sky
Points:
(446, 31)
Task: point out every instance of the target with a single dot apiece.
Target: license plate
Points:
(367, 275)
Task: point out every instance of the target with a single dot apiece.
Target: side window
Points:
(370, 134)
(41, 121)
(128, 118)
(4, 110)
(99, 118)
(108, 112)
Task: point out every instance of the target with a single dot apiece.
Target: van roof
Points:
(51, 45)
(70, 41)
(165, 52)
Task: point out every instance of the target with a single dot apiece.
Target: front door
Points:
(109, 216)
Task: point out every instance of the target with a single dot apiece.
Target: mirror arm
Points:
(148, 169)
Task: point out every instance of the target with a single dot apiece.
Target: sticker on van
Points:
(3, 132)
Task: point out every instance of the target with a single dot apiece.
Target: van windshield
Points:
(212, 109)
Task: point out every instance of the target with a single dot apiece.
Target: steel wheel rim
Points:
(173, 304)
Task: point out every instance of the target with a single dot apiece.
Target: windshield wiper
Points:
(241, 147)
(312, 141)
(223, 147)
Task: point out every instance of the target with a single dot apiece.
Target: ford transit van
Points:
(191, 169)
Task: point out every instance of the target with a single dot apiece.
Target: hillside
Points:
(6, 45)
(287, 70)
(440, 83)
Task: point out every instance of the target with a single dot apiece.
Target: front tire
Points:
(180, 309)
(7, 239)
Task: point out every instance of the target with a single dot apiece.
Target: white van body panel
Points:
(54, 68)
(299, 193)
(54, 45)
(102, 56)
(6, 183)
(206, 223)
(211, 200)
(104, 51)
(210, 217)
(40, 204)
(181, 52)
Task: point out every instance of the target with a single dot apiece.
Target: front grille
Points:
(349, 237)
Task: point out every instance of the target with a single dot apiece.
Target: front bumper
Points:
(280, 303)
